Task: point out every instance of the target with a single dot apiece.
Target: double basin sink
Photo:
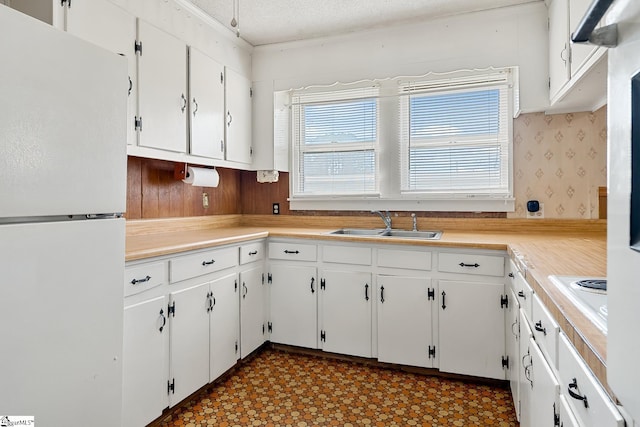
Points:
(406, 234)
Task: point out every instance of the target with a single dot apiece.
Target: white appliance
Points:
(623, 263)
(589, 294)
(62, 162)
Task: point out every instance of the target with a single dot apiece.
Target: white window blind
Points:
(335, 137)
(455, 136)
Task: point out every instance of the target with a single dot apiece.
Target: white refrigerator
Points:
(62, 192)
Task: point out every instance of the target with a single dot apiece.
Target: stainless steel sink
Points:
(427, 235)
(359, 231)
(407, 234)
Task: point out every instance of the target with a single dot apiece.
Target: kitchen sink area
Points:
(405, 234)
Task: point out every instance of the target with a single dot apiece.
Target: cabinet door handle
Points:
(462, 264)
(381, 293)
(514, 332)
(253, 253)
(245, 289)
(130, 86)
(539, 327)
(144, 279)
(195, 109)
(575, 395)
(366, 292)
(184, 103)
(164, 320)
(291, 252)
(313, 279)
(522, 295)
(208, 262)
(562, 54)
(230, 118)
(444, 294)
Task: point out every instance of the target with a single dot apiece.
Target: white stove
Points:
(589, 294)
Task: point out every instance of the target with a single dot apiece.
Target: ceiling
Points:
(273, 21)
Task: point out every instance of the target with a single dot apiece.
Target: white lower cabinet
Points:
(545, 390)
(252, 313)
(345, 301)
(189, 341)
(144, 355)
(471, 328)
(512, 331)
(405, 311)
(566, 417)
(224, 324)
(525, 383)
(294, 312)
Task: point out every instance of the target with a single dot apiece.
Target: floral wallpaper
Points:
(560, 160)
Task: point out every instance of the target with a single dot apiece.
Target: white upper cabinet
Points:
(206, 98)
(559, 50)
(50, 11)
(238, 117)
(580, 53)
(108, 26)
(162, 73)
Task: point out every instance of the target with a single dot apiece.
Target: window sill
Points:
(431, 205)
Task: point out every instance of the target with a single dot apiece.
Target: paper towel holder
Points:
(180, 171)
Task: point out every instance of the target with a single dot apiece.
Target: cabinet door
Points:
(238, 118)
(144, 388)
(294, 292)
(525, 378)
(106, 25)
(471, 328)
(346, 298)
(545, 391)
(162, 89)
(252, 325)
(512, 330)
(224, 327)
(580, 53)
(189, 343)
(559, 50)
(404, 321)
(206, 85)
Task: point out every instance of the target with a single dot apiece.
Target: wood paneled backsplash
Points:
(153, 192)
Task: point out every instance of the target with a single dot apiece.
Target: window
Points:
(437, 142)
(335, 136)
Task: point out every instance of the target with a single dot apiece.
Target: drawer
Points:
(189, 266)
(251, 252)
(577, 381)
(524, 293)
(545, 331)
(396, 258)
(347, 255)
(485, 265)
(139, 278)
(292, 251)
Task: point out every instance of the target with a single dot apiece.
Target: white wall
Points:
(509, 36)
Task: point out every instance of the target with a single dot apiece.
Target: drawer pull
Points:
(253, 253)
(574, 385)
(462, 264)
(291, 252)
(366, 292)
(512, 275)
(522, 295)
(208, 262)
(164, 320)
(136, 281)
(539, 327)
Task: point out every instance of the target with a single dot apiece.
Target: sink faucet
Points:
(415, 222)
(386, 217)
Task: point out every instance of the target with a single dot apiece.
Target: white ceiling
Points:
(273, 21)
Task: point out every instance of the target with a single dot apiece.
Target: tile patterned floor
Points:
(281, 389)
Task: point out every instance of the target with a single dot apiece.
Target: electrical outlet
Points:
(537, 215)
(205, 200)
(276, 208)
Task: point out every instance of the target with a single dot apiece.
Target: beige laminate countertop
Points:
(577, 253)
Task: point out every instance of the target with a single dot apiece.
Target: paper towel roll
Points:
(202, 177)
